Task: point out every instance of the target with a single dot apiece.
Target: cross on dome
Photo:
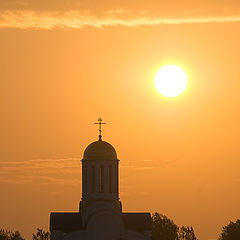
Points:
(100, 122)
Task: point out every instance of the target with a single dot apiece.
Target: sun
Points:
(171, 81)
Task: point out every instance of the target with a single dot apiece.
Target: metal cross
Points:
(100, 122)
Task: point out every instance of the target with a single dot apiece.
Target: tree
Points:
(10, 235)
(231, 231)
(186, 233)
(163, 228)
(41, 235)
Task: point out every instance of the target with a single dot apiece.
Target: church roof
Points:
(69, 221)
(137, 221)
(65, 222)
(100, 150)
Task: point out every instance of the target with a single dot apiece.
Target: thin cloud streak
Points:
(82, 19)
(53, 171)
(41, 172)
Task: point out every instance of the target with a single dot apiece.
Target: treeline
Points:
(163, 228)
(16, 235)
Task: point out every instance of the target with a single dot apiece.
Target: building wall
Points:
(108, 235)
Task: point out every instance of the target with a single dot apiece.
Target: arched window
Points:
(93, 179)
(102, 179)
(110, 178)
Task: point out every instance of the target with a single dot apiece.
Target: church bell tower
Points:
(100, 178)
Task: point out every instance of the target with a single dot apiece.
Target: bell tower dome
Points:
(100, 170)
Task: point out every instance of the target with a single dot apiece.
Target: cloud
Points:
(145, 168)
(52, 171)
(145, 164)
(144, 193)
(26, 19)
(104, 5)
(41, 172)
(146, 160)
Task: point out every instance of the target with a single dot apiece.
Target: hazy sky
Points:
(65, 63)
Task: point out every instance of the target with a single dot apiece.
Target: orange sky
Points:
(65, 63)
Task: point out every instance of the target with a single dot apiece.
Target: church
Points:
(100, 215)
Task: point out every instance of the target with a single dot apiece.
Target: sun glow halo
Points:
(170, 81)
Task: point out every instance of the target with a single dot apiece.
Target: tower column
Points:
(89, 180)
(106, 179)
(115, 178)
(97, 178)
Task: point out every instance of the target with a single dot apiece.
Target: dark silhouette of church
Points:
(100, 215)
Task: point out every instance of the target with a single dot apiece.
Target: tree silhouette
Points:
(10, 235)
(186, 233)
(41, 235)
(231, 231)
(163, 228)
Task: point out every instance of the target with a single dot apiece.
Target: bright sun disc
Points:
(170, 81)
